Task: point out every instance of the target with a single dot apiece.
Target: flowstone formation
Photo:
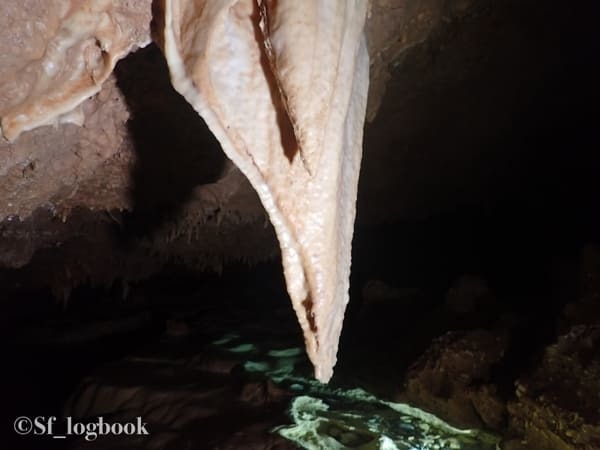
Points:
(283, 86)
(58, 53)
(288, 78)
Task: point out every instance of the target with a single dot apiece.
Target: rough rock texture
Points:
(557, 403)
(393, 27)
(55, 168)
(145, 209)
(117, 159)
(440, 136)
(80, 247)
(452, 379)
(55, 54)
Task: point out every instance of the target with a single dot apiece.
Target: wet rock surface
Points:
(453, 378)
(221, 363)
(169, 359)
(213, 368)
(555, 405)
(539, 387)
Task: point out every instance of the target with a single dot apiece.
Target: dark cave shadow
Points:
(287, 135)
(174, 149)
(286, 129)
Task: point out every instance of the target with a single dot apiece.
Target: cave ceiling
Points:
(120, 147)
(131, 168)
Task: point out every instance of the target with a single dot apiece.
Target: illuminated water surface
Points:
(325, 417)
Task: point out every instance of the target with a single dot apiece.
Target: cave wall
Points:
(143, 182)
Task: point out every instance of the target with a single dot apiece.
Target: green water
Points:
(325, 417)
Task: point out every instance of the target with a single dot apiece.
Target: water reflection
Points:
(325, 417)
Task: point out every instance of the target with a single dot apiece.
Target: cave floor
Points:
(219, 365)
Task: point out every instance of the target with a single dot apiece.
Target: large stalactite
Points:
(283, 86)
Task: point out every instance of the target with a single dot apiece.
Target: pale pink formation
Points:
(283, 85)
(54, 54)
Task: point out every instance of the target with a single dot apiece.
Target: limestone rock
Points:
(452, 379)
(57, 53)
(558, 403)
